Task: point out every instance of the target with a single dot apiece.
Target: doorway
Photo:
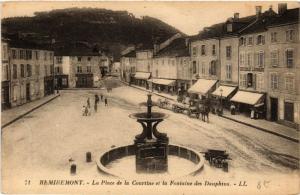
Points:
(27, 91)
(274, 109)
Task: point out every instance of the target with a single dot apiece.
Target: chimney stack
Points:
(258, 10)
(236, 16)
(282, 7)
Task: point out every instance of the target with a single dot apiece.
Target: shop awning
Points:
(226, 91)
(246, 97)
(142, 75)
(202, 86)
(167, 82)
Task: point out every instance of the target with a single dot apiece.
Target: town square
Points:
(219, 108)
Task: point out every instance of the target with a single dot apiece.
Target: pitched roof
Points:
(75, 50)
(25, 44)
(289, 16)
(177, 48)
(131, 54)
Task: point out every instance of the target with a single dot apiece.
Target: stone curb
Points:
(31, 110)
(247, 124)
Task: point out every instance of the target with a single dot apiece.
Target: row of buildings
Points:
(31, 71)
(251, 61)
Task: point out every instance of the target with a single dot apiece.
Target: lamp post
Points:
(221, 111)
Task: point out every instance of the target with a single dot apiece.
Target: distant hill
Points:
(113, 30)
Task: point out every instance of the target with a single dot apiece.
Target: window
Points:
(250, 40)
(37, 70)
(51, 69)
(28, 54)
(194, 50)
(79, 59)
(203, 68)
(228, 52)
(274, 58)
(22, 54)
(242, 41)
(228, 72)
(213, 50)
(249, 59)
(37, 55)
(260, 58)
(15, 71)
(56, 70)
(89, 59)
(229, 27)
(45, 55)
(290, 35)
(203, 50)
(289, 83)
(242, 59)
(14, 54)
(22, 70)
(51, 55)
(273, 37)
(88, 69)
(274, 80)
(46, 70)
(79, 69)
(249, 80)
(194, 67)
(64, 81)
(259, 82)
(28, 69)
(260, 40)
(289, 56)
(213, 68)
(243, 80)
(59, 60)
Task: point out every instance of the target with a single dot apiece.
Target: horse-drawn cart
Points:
(217, 158)
(178, 108)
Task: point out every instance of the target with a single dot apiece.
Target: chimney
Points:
(258, 10)
(236, 16)
(282, 7)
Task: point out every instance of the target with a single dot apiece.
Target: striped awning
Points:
(167, 82)
(247, 97)
(142, 75)
(202, 86)
(225, 91)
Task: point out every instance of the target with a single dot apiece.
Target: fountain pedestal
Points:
(151, 146)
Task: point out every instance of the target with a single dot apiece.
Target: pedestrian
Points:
(232, 109)
(88, 103)
(95, 107)
(96, 99)
(105, 101)
(101, 96)
(252, 113)
(85, 111)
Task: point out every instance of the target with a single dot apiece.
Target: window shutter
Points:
(263, 39)
(254, 81)
(286, 58)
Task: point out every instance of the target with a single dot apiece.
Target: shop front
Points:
(5, 103)
(61, 81)
(202, 88)
(250, 103)
(84, 80)
(222, 95)
(48, 85)
(163, 85)
(140, 79)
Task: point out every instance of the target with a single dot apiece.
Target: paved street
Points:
(47, 138)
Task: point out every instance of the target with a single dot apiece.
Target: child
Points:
(105, 101)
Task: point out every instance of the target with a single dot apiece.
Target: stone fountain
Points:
(151, 148)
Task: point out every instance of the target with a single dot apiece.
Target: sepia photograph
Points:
(150, 97)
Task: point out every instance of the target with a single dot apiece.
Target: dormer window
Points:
(229, 27)
(242, 41)
(260, 40)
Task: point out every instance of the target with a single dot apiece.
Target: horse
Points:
(204, 111)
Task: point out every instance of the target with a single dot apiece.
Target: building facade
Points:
(128, 66)
(283, 69)
(5, 76)
(31, 74)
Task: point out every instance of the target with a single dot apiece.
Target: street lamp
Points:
(221, 91)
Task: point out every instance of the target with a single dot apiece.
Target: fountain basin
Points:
(153, 117)
(173, 150)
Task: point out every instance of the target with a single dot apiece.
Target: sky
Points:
(188, 17)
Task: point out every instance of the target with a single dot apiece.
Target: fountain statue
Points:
(151, 146)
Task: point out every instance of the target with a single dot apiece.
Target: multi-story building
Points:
(5, 76)
(31, 72)
(128, 65)
(171, 67)
(283, 68)
(78, 70)
(144, 57)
